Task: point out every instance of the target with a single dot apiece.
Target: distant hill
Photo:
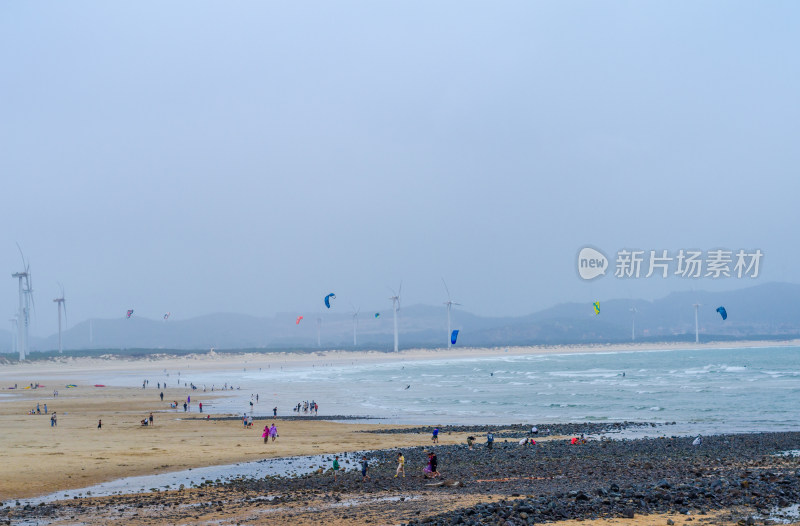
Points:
(763, 311)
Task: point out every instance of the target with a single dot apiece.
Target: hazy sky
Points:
(199, 157)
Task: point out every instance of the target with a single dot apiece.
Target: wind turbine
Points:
(355, 324)
(396, 307)
(449, 304)
(25, 302)
(696, 331)
(633, 323)
(61, 303)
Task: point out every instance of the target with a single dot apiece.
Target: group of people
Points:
(431, 469)
(307, 407)
(146, 421)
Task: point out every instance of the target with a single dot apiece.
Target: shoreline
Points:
(211, 360)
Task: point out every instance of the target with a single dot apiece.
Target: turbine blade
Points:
(446, 289)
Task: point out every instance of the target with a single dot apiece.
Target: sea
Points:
(694, 391)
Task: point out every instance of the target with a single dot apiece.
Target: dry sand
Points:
(75, 453)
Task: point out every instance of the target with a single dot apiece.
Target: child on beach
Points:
(401, 462)
(336, 467)
(364, 467)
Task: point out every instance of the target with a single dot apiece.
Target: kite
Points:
(596, 305)
(377, 314)
(130, 313)
(723, 313)
(297, 322)
(166, 316)
(454, 337)
(328, 299)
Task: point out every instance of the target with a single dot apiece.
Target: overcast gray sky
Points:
(199, 157)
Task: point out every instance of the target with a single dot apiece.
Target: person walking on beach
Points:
(185, 407)
(273, 432)
(200, 405)
(335, 467)
(364, 468)
(99, 424)
(265, 434)
(150, 418)
(401, 462)
(435, 437)
(275, 411)
(162, 396)
(489, 440)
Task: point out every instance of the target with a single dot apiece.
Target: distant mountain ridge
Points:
(768, 310)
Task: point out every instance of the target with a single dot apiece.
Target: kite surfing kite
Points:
(328, 299)
(166, 316)
(596, 305)
(130, 313)
(297, 322)
(454, 337)
(377, 314)
(723, 313)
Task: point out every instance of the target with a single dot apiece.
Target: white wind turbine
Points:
(61, 303)
(396, 307)
(449, 304)
(355, 324)
(633, 323)
(25, 303)
(696, 326)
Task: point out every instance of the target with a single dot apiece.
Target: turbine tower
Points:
(449, 304)
(319, 324)
(61, 303)
(25, 302)
(355, 325)
(633, 323)
(696, 330)
(14, 327)
(396, 307)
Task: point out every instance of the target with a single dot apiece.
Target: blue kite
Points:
(723, 313)
(454, 337)
(328, 299)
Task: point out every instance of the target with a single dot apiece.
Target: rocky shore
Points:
(747, 476)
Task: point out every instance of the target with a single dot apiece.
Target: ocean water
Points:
(702, 391)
